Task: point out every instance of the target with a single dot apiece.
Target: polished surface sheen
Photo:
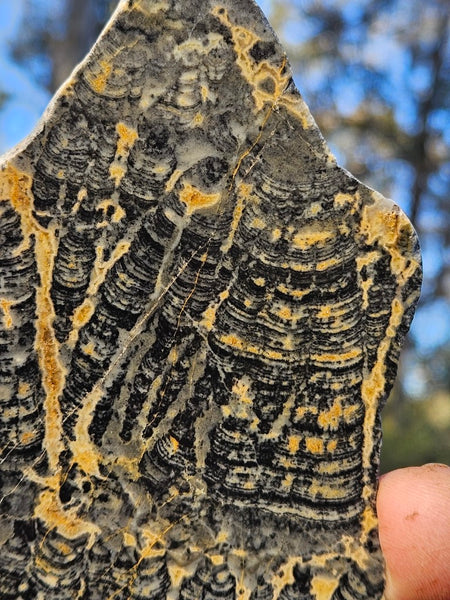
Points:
(200, 319)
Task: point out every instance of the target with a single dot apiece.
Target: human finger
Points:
(414, 526)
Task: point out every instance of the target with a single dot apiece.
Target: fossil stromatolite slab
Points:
(200, 317)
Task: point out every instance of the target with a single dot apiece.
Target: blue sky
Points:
(25, 99)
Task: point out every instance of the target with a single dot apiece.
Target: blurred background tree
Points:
(375, 74)
(55, 36)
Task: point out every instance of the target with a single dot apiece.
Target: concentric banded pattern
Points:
(200, 318)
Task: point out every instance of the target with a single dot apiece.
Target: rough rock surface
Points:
(200, 319)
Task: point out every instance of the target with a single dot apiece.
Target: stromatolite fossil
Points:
(200, 318)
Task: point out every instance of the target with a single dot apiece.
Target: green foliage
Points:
(416, 433)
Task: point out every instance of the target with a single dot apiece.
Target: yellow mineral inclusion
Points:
(337, 358)
(327, 264)
(369, 522)
(84, 451)
(343, 199)
(173, 355)
(329, 468)
(5, 305)
(102, 267)
(117, 173)
(173, 179)
(84, 312)
(177, 574)
(243, 193)
(314, 445)
(217, 559)
(299, 267)
(197, 120)
(241, 388)
(50, 510)
(324, 312)
(209, 315)
(349, 412)
(323, 587)
(127, 138)
(236, 342)
(288, 342)
(300, 412)
(288, 480)
(329, 419)
(263, 75)
(43, 564)
(12, 183)
(249, 485)
(285, 313)
(118, 213)
(384, 222)
(276, 234)
(89, 349)
(258, 223)
(292, 292)
(286, 463)
(380, 224)
(373, 383)
(81, 195)
(16, 186)
(326, 491)
(98, 82)
(351, 204)
(285, 575)
(192, 45)
(128, 539)
(294, 443)
(273, 354)
(195, 199)
(222, 536)
(305, 239)
(366, 260)
(26, 437)
(24, 388)
(331, 445)
(257, 75)
(314, 209)
(175, 443)
(204, 92)
(155, 541)
(81, 316)
(354, 549)
(298, 108)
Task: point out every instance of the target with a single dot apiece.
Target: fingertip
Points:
(414, 524)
